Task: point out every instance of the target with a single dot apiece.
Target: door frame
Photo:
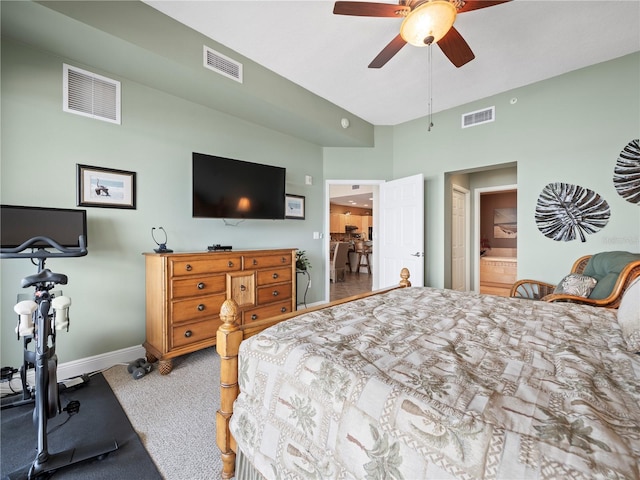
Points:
(327, 228)
(476, 227)
(467, 233)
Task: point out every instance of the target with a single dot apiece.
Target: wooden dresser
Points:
(184, 292)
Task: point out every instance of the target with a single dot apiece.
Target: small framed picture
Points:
(294, 207)
(105, 187)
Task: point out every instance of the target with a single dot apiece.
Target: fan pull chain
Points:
(430, 90)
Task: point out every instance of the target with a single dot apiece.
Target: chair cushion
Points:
(576, 284)
(605, 267)
(629, 316)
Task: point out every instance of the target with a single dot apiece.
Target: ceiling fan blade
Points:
(477, 4)
(456, 48)
(369, 9)
(388, 52)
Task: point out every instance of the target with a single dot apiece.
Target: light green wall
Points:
(41, 146)
(375, 163)
(135, 41)
(567, 129)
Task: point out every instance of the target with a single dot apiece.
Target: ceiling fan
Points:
(425, 22)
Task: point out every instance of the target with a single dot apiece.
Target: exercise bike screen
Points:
(19, 224)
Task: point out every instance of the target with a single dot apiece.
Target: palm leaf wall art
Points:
(565, 212)
(626, 175)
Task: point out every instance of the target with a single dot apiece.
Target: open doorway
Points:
(497, 230)
(396, 236)
(351, 207)
(463, 235)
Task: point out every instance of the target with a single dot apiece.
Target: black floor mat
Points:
(100, 421)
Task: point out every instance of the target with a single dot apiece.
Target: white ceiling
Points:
(352, 195)
(515, 44)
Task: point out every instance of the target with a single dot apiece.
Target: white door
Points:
(401, 231)
(459, 239)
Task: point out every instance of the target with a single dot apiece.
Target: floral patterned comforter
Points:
(426, 383)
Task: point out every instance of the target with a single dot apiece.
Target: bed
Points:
(420, 382)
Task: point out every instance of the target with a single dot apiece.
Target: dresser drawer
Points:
(274, 275)
(195, 308)
(274, 293)
(241, 286)
(268, 311)
(179, 267)
(194, 332)
(265, 261)
(197, 286)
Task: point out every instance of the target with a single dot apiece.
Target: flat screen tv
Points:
(19, 224)
(229, 188)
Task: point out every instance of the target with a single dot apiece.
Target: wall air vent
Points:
(478, 117)
(222, 64)
(90, 95)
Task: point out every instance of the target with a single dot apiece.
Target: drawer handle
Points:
(242, 288)
(284, 260)
(283, 309)
(188, 267)
(230, 264)
(200, 285)
(255, 262)
(254, 316)
(275, 275)
(188, 333)
(201, 307)
(275, 293)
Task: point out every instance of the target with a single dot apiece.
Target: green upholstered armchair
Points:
(614, 272)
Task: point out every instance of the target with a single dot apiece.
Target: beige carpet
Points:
(174, 414)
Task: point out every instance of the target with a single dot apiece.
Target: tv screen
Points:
(19, 224)
(228, 188)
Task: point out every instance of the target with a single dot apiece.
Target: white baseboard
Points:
(301, 307)
(79, 367)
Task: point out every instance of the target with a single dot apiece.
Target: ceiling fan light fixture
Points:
(428, 23)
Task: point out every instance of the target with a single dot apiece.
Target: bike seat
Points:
(44, 276)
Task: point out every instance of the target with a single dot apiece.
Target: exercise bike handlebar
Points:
(39, 251)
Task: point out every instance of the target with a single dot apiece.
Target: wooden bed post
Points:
(404, 275)
(228, 341)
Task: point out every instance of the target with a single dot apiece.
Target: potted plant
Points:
(302, 261)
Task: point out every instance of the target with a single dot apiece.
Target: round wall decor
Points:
(626, 175)
(565, 212)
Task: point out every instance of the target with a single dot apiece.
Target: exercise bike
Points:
(38, 323)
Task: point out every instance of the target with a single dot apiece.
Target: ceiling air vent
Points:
(478, 117)
(222, 64)
(90, 95)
